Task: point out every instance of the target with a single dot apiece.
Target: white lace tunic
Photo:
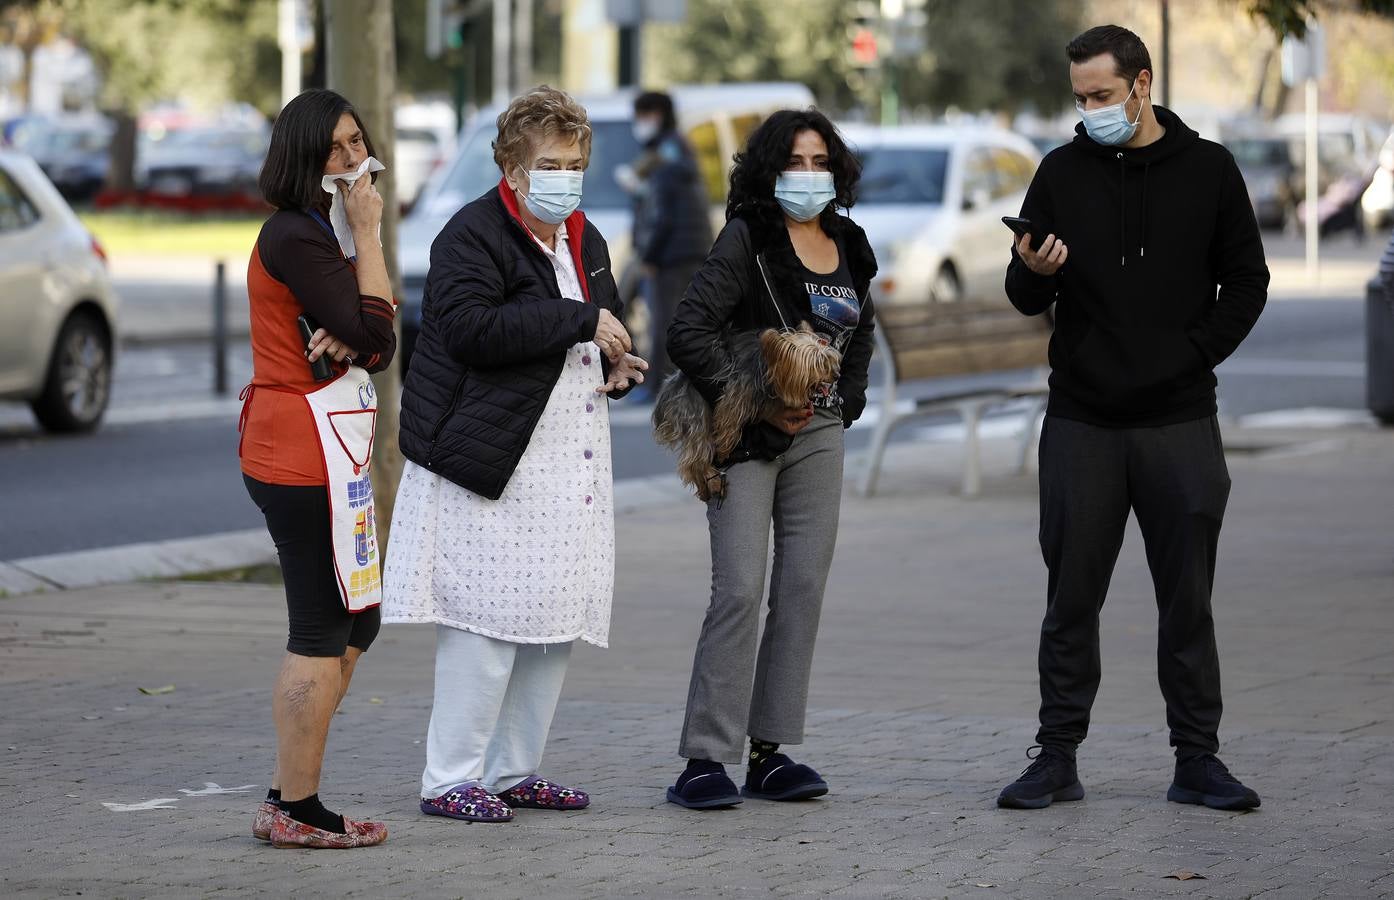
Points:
(538, 564)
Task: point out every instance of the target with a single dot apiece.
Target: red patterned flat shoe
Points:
(469, 802)
(286, 833)
(537, 793)
(261, 822)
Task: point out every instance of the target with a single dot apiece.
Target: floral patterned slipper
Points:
(286, 833)
(470, 802)
(261, 822)
(536, 793)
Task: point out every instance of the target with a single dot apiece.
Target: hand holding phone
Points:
(1019, 226)
(321, 369)
(1044, 256)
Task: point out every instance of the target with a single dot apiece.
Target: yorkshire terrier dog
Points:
(769, 372)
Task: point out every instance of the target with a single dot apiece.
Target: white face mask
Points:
(553, 195)
(1109, 125)
(646, 130)
(804, 195)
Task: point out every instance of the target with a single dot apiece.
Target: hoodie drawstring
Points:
(1142, 245)
(1123, 211)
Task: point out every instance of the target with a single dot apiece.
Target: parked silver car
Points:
(931, 199)
(57, 304)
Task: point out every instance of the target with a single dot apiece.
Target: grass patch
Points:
(149, 233)
(269, 573)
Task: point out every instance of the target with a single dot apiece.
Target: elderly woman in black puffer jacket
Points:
(503, 532)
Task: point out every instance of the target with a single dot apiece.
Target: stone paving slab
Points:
(922, 705)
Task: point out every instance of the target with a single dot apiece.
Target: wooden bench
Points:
(935, 340)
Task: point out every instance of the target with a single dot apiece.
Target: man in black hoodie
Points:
(1145, 243)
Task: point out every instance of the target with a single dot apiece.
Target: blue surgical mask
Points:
(553, 195)
(804, 195)
(1109, 125)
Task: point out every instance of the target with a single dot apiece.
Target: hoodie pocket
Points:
(1131, 370)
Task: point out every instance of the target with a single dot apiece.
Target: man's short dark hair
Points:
(657, 102)
(300, 143)
(1129, 53)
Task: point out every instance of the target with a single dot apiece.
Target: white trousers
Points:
(492, 710)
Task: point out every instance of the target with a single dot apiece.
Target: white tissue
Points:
(338, 216)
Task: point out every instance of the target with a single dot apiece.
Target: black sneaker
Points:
(704, 785)
(1050, 777)
(1205, 780)
(778, 777)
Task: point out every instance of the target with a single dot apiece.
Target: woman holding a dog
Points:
(785, 258)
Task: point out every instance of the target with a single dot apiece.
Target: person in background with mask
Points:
(672, 229)
(785, 257)
(1145, 244)
(503, 533)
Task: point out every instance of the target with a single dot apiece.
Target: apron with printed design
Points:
(345, 416)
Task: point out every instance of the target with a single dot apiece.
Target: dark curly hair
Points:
(766, 154)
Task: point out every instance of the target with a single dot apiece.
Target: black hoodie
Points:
(1165, 275)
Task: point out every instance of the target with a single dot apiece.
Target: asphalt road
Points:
(166, 464)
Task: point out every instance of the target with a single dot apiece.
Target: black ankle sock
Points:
(312, 812)
(273, 797)
(761, 751)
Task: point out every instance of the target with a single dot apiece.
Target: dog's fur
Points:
(769, 372)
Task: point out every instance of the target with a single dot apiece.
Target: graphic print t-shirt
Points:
(836, 312)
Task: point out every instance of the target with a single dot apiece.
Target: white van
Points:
(715, 118)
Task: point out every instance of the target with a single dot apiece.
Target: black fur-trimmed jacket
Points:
(494, 337)
(732, 292)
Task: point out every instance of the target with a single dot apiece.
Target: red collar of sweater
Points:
(575, 226)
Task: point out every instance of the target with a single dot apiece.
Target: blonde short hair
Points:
(541, 111)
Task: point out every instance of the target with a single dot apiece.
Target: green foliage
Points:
(207, 52)
(999, 55)
(989, 54)
(1290, 17)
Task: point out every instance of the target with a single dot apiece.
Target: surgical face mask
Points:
(553, 195)
(646, 130)
(1109, 125)
(804, 195)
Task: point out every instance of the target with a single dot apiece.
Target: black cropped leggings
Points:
(298, 518)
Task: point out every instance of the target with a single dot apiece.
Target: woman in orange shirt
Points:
(298, 268)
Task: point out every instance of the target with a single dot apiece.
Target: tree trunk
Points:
(362, 65)
(26, 77)
(120, 176)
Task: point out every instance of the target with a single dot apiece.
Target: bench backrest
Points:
(928, 340)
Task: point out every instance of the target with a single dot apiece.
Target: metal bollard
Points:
(1379, 351)
(220, 330)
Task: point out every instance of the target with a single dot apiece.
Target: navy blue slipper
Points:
(704, 785)
(780, 778)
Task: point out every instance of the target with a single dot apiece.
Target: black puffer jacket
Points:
(494, 335)
(732, 292)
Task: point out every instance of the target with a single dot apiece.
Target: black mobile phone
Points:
(1019, 226)
(321, 369)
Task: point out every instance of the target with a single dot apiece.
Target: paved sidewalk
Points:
(922, 705)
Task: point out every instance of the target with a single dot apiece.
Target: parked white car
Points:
(716, 119)
(932, 199)
(1378, 200)
(57, 305)
(425, 134)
